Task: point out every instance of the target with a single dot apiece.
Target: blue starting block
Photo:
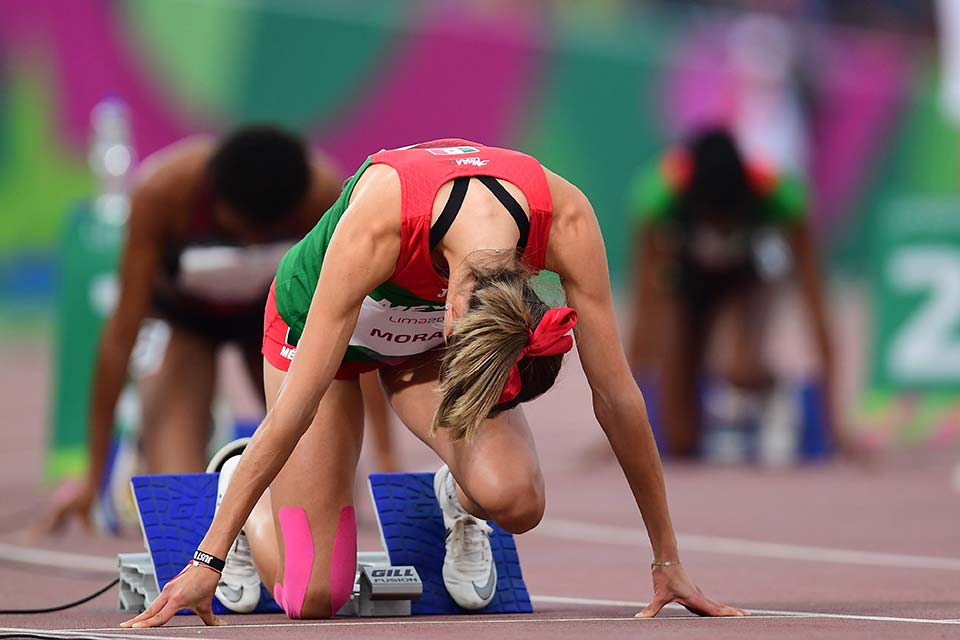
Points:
(411, 526)
(176, 511)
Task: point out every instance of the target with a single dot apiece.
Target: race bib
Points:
(397, 330)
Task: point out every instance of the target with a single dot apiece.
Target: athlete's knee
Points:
(316, 604)
(303, 594)
(515, 502)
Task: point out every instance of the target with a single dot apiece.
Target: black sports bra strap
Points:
(450, 211)
(511, 205)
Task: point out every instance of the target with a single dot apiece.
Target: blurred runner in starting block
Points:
(209, 221)
(716, 232)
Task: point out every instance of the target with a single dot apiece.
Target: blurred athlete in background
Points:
(713, 232)
(209, 222)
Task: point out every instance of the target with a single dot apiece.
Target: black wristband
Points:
(213, 562)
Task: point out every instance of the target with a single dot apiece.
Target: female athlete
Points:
(422, 270)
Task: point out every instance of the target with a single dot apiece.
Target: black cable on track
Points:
(69, 605)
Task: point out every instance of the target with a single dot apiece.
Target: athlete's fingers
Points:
(49, 524)
(704, 606)
(209, 618)
(727, 609)
(56, 519)
(160, 618)
(153, 609)
(652, 609)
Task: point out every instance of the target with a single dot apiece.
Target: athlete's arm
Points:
(140, 262)
(577, 254)
(800, 238)
(618, 403)
(141, 256)
(362, 254)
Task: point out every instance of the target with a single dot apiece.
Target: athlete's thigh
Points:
(504, 447)
(253, 363)
(737, 341)
(184, 379)
(315, 485)
(682, 345)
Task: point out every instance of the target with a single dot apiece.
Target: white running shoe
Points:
(239, 586)
(469, 572)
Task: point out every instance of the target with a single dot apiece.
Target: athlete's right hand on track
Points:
(72, 501)
(672, 584)
(193, 589)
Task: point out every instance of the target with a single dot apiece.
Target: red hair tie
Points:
(550, 338)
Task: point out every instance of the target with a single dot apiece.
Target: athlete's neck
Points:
(463, 266)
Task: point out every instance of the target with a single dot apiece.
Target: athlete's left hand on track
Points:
(671, 584)
(193, 589)
(73, 502)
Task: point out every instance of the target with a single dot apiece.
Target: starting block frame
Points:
(138, 581)
(139, 586)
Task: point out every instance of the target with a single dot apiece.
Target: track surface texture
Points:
(833, 550)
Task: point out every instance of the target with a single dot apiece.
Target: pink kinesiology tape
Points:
(298, 560)
(343, 560)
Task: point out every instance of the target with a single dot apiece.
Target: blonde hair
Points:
(484, 346)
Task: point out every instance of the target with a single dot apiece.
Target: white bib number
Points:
(397, 331)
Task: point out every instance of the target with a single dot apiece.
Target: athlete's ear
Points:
(457, 302)
(453, 309)
(448, 319)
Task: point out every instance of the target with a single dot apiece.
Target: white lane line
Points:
(757, 613)
(596, 602)
(57, 559)
(565, 529)
(471, 620)
(112, 632)
(562, 529)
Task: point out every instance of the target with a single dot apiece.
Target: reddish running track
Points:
(825, 551)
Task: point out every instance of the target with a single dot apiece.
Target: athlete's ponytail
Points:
(487, 341)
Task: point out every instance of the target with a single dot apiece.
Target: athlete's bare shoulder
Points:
(326, 184)
(323, 165)
(165, 183)
(184, 159)
(168, 179)
(376, 199)
(573, 215)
